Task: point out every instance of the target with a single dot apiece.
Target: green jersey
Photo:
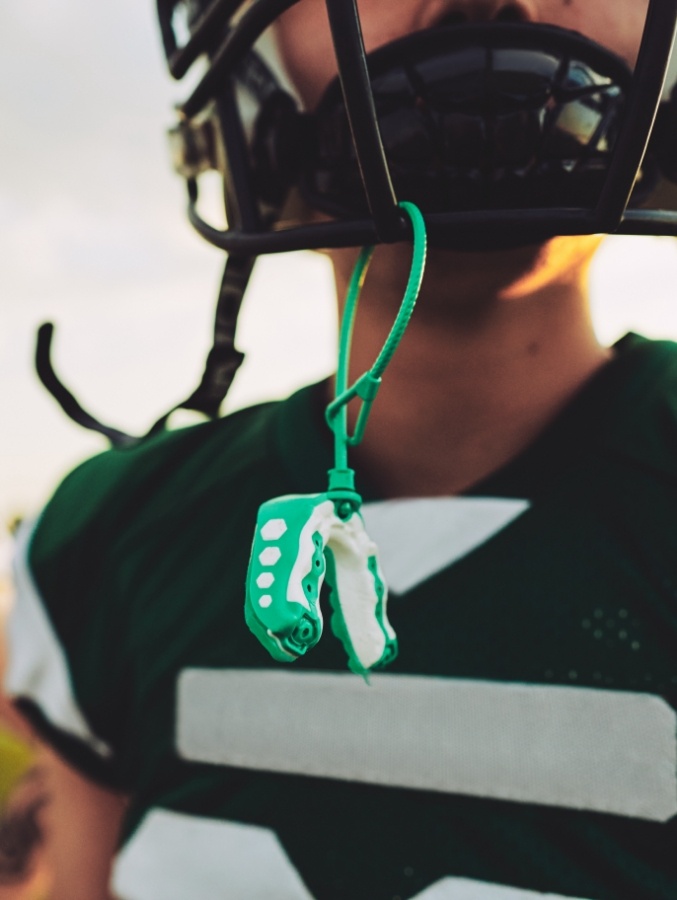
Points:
(522, 744)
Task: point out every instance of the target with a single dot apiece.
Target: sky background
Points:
(94, 238)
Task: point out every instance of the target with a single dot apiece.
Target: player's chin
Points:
(510, 273)
(505, 266)
(511, 253)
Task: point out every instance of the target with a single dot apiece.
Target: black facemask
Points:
(478, 117)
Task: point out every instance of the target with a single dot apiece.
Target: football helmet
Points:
(507, 132)
(503, 134)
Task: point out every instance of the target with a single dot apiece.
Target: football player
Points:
(518, 478)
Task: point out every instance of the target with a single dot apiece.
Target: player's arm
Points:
(80, 823)
(58, 822)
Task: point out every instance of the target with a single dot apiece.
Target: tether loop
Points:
(367, 385)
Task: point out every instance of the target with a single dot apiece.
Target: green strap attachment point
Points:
(367, 385)
(342, 491)
(366, 388)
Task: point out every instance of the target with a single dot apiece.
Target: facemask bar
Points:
(237, 44)
(645, 97)
(529, 224)
(346, 32)
(206, 33)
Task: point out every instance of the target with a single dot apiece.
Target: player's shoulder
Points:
(97, 498)
(636, 475)
(658, 357)
(644, 404)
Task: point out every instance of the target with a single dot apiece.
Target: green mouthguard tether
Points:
(302, 540)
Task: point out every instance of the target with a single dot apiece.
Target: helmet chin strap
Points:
(192, 147)
(301, 541)
(223, 361)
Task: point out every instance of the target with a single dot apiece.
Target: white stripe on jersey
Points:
(174, 856)
(418, 537)
(37, 667)
(465, 889)
(579, 748)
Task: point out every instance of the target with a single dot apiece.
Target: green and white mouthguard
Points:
(303, 540)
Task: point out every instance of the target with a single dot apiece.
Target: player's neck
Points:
(469, 389)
